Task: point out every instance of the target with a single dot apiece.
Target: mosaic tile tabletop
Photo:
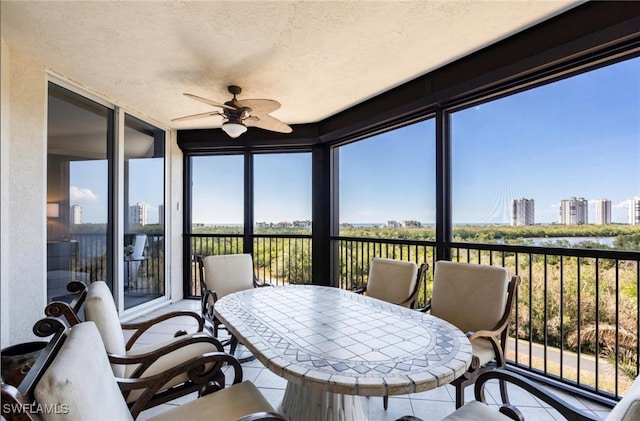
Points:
(337, 341)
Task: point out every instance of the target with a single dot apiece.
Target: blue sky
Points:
(89, 187)
(576, 137)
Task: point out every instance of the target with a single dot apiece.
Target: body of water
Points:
(537, 241)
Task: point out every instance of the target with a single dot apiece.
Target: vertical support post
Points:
(186, 225)
(321, 214)
(248, 205)
(443, 186)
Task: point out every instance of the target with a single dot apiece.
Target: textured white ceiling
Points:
(314, 57)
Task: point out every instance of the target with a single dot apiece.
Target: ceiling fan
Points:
(238, 114)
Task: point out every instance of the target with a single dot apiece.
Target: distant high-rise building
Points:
(574, 211)
(523, 212)
(161, 214)
(634, 211)
(603, 212)
(138, 214)
(76, 214)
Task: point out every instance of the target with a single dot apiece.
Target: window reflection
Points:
(143, 241)
(78, 138)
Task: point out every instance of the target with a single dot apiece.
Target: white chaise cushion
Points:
(476, 411)
(227, 404)
(169, 360)
(628, 409)
(391, 280)
(100, 308)
(79, 381)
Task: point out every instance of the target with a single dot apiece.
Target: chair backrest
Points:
(392, 280)
(470, 296)
(628, 409)
(139, 243)
(228, 273)
(79, 383)
(100, 308)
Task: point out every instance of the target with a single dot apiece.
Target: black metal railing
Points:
(576, 318)
(355, 255)
(576, 321)
(278, 259)
(90, 261)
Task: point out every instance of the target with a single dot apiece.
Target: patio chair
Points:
(477, 299)
(132, 262)
(131, 362)
(221, 275)
(394, 281)
(73, 380)
(628, 409)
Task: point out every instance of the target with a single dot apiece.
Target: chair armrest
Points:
(427, 307)
(69, 310)
(257, 284)
(194, 368)
(565, 409)
(49, 325)
(262, 416)
(62, 309)
(141, 327)
(145, 360)
(503, 323)
(79, 289)
(493, 338)
(360, 290)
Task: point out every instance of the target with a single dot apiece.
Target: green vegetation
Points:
(584, 305)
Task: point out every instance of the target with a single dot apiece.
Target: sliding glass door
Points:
(80, 139)
(143, 240)
(83, 241)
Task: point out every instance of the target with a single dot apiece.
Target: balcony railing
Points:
(576, 313)
(278, 259)
(90, 261)
(576, 321)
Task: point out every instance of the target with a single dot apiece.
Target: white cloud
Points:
(80, 195)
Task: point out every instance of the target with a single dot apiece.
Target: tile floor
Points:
(431, 405)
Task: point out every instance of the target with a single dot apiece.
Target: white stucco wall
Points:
(23, 153)
(4, 188)
(24, 193)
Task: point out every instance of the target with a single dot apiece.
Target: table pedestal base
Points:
(305, 404)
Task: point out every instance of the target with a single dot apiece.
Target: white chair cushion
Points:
(227, 404)
(628, 409)
(391, 280)
(470, 296)
(476, 411)
(100, 308)
(80, 377)
(228, 273)
(171, 359)
(482, 349)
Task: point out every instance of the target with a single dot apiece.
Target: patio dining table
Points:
(332, 345)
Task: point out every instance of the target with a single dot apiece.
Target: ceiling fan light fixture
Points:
(234, 129)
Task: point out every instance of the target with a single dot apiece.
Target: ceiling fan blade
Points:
(259, 106)
(209, 101)
(200, 115)
(267, 122)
